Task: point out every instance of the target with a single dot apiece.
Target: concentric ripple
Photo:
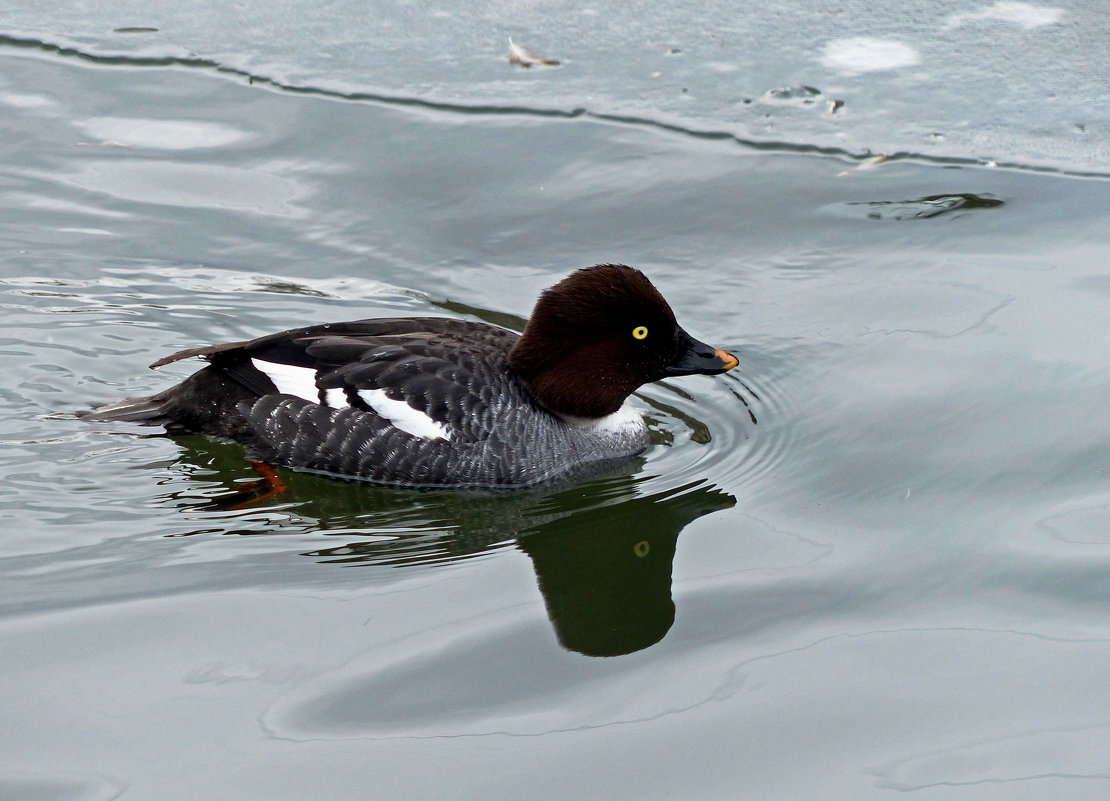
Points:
(732, 430)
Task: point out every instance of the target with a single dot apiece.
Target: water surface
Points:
(870, 561)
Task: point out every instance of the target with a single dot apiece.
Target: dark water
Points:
(875, 561)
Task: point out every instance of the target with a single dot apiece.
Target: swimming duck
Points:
(434, 402)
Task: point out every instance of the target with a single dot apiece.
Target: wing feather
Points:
(449, 370)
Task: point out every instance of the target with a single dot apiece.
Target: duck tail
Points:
(149, 410)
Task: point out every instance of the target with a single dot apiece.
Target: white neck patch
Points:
(400, 414)
(626, 418)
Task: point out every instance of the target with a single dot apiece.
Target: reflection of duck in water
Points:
(602, 553)
(605, 572)
(435, 402)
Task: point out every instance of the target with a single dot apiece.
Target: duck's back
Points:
(406, 401)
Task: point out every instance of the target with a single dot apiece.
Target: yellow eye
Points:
(640, 332)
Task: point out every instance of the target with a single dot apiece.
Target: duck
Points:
(442, 402)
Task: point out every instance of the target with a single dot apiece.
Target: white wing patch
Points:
(336, 398)
(403, 416)
(301, 382)
(290, 380)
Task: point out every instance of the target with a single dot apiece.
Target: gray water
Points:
(872, 560)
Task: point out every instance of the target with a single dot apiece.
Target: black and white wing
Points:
(409, 400)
